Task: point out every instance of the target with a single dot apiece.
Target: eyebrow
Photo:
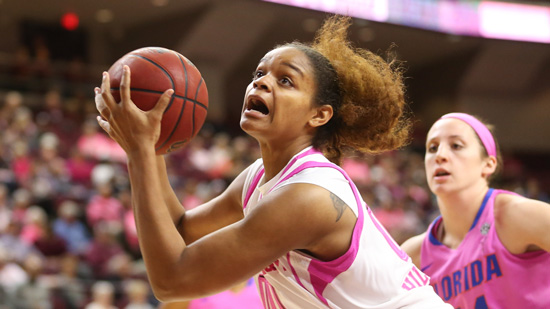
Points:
(295, 68)
(448, 137)
(288, 64)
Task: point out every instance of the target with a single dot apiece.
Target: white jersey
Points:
(373, 273)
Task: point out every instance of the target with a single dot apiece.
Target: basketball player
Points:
(293, 219)
(489, 248)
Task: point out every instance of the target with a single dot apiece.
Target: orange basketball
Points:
(153, 71)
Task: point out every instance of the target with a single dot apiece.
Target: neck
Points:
(276, 158)
(458, 210)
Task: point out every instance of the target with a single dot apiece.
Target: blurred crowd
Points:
(67, 232)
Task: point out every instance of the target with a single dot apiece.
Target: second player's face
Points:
(453, 157)
(278, 101)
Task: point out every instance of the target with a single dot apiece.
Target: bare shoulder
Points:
(505, 202)
(315, 219)
(413, 246)
(511, 208)
(521, 223)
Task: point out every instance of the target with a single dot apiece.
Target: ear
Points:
(322, 115)
(490, 165)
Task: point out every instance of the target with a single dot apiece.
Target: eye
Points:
(286, 81)
(257, 74)
(456, 146)
(432, 148)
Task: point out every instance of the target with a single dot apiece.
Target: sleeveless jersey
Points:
(481, 272)
(373, 273)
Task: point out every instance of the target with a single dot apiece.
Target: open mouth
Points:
(441, 172)
(257, 105)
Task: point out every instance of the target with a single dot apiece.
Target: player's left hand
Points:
(131, 127)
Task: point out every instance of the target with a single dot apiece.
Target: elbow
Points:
(170, 291)
(161, 294)
(166, 295)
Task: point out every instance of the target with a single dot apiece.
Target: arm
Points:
(274, 227)
(175, 208)
(413, 247)
(220, 259)
(522, 224)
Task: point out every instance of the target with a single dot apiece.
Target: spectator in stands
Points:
(21, 128)
(138, 292)
(34, 293)
(12, 276)
(104, 206)
(52, 247)
(34, 224)
(13, 100)
(121, 267)
(50, 116)
(219, 155)
(5, 208)
(79, 167)
(68, 226)
(70, 288)
(22, 199)
(95, 144)
(21, 162)
(103, 248)
(533, 190)
(103, 296)
(50, 180)
(10, 240)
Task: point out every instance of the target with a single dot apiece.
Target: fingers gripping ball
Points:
(153, 71)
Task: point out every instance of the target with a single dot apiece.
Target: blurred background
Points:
(67, 237)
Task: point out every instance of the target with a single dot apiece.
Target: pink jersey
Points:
(373, 273)
(481, 272)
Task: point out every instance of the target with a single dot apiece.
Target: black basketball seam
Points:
(161, 92)
(182, 107)
(165, 72)
(193, 115)
(196, 95)
(173, 87)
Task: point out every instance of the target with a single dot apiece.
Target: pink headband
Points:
(481, 130)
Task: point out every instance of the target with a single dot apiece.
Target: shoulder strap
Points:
(261, 172)
(252, 186)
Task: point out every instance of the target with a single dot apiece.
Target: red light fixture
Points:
(69, 21)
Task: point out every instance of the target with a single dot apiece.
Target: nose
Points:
(441, 154)
(262, 83)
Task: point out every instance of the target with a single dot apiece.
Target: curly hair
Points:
(365, 92)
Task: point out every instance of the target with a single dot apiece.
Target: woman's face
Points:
(454, 159)
(278, 101)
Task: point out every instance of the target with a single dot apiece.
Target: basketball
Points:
(154, 70)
